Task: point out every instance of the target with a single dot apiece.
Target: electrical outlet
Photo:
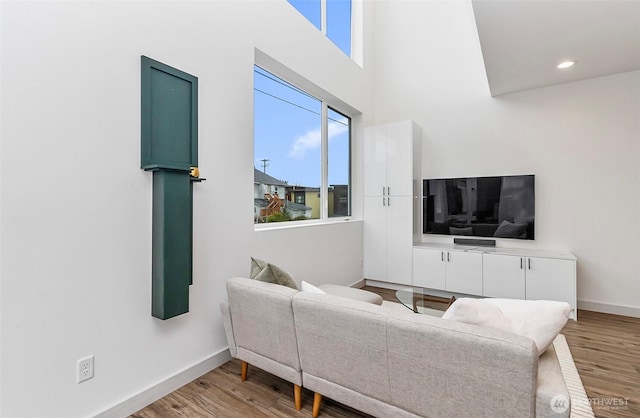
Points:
(85, 369)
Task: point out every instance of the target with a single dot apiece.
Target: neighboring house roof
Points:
(264, 178)
(303, 189)
(296, 206)
(260, 202)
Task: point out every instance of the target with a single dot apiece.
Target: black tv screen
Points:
(498, 207)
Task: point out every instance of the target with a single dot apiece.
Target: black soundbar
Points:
(479, 242)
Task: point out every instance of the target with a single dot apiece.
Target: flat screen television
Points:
(498, 207)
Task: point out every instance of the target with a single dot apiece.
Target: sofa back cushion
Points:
(343, 341)
(262, 319)
(443, 368)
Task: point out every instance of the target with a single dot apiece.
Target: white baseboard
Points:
(163, 388)
(608, 308)
(359, 284)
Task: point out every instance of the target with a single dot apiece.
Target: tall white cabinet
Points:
(392, 155)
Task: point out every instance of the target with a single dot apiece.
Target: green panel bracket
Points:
(169, 149)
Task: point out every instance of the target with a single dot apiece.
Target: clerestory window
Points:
(301, 154)
(331, 17)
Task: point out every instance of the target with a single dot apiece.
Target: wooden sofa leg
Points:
(297, 396)
(317, 400)
(243, 373)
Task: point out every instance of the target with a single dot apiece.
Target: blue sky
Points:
(287, 121)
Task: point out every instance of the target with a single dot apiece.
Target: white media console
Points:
(496, 272)
(393, 254)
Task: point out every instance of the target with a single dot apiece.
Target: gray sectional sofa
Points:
(388, 362)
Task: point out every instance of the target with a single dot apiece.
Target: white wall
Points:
(581, 140)
(76, 208)
(296, 251)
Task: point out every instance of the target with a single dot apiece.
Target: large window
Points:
(331, 17)
(301, 154)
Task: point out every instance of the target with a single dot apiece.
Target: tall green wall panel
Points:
(169, 149)
(172, 240)
(169, 117)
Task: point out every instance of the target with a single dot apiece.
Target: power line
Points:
(273, 78)
(297, 105)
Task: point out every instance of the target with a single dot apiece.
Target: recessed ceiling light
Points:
(566, 64)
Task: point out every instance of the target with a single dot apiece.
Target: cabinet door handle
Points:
(441, 255)
(521, 266)
(383, 192)
(383, 204)
(529, 262)
(388, 190)
(448, 257)
(388, 201)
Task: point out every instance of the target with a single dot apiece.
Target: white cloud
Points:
(311, 140)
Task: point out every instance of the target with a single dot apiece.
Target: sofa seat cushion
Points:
(351, 293)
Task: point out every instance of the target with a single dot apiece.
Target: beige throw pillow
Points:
(274, 274)
(256, 267)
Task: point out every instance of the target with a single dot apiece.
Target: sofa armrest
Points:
(228, 328)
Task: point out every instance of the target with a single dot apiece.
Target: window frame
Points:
(328, 101)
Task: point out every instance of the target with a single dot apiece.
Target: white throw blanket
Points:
(580, 406)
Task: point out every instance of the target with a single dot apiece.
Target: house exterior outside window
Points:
(303, 147)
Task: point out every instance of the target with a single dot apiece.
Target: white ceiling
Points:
(524, 40)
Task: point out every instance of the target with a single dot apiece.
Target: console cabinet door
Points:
(503, 276)
(464, 272)
(551, 279)
(429, 268)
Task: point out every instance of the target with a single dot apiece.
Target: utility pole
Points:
(265, 164)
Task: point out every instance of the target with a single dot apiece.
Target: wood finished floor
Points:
(605, 348)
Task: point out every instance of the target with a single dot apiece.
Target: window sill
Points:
(303, 224)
